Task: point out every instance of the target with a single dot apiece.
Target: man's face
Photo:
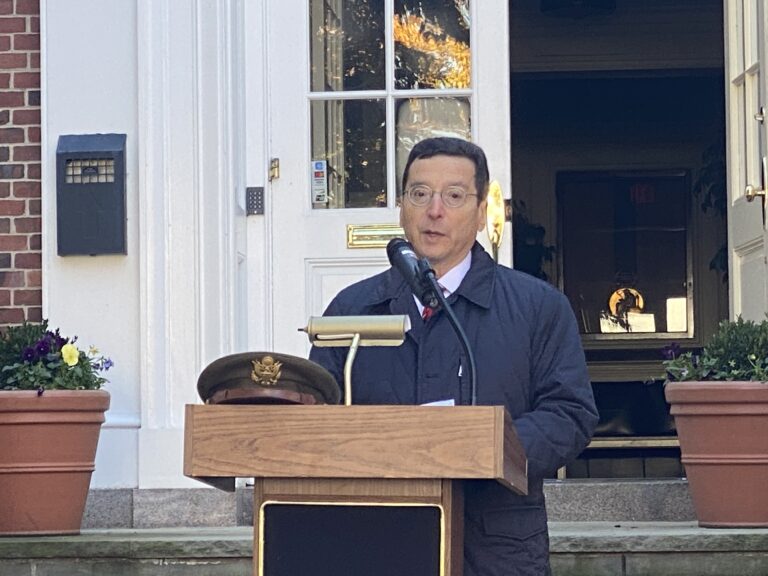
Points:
(443, 235)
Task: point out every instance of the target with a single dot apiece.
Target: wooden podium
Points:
(350, 486)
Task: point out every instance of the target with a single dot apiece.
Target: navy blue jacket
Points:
(529, 359)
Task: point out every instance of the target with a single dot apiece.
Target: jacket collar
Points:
(477, 286)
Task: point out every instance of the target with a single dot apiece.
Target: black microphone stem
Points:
(463, 340)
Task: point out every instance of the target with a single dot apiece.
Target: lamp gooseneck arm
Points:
(348, 369)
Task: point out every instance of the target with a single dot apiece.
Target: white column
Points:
(190, 190)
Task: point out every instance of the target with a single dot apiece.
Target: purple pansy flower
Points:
(56, 338)
(43, 347)
(671, 351)
(29, 354)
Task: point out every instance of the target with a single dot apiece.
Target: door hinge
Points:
(274, 169)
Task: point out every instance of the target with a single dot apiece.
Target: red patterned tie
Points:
(426, 314)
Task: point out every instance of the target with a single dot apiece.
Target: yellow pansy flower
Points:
(69, 354)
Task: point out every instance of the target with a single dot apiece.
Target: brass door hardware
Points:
(496, 216)
(750, 192)
(274, 169)
(372, 235)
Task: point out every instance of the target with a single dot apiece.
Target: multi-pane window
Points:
(384, 75)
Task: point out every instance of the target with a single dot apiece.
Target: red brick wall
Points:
(20, 221)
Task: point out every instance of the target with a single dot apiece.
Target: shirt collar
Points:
(451, 280)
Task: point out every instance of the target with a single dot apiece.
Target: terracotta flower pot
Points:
(723, 432)
(47, 456)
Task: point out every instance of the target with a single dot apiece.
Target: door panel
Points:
(746, 97)
(352, 85)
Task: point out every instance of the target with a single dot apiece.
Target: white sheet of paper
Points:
(449, 402)
(641, 322)
(677, 314)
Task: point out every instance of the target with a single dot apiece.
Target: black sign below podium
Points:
(333, 539)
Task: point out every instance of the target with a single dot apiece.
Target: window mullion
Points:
(389, 67)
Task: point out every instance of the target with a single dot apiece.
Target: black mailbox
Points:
(90, 194)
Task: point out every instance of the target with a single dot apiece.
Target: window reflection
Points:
(350, 136)
(432, 44)
(347, 45)
(419, 118)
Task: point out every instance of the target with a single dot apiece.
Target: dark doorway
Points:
(634, 89)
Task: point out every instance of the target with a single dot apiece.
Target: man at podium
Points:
(522, 332)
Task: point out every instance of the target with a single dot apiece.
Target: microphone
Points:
(415, 270)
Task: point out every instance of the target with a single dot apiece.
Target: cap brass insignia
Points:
(266, 372)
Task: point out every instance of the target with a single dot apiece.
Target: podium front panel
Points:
(329, 539)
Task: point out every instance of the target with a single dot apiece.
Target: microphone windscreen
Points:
(395, 245)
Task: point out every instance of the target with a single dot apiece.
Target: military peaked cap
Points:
(266, 378)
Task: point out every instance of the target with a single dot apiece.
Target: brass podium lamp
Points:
(355, 331)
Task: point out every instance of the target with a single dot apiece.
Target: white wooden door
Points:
(352, 84)
(746, 138)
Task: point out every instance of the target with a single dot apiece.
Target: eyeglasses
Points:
(452, 197)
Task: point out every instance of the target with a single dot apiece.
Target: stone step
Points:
(578, 549)
(567, 501)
